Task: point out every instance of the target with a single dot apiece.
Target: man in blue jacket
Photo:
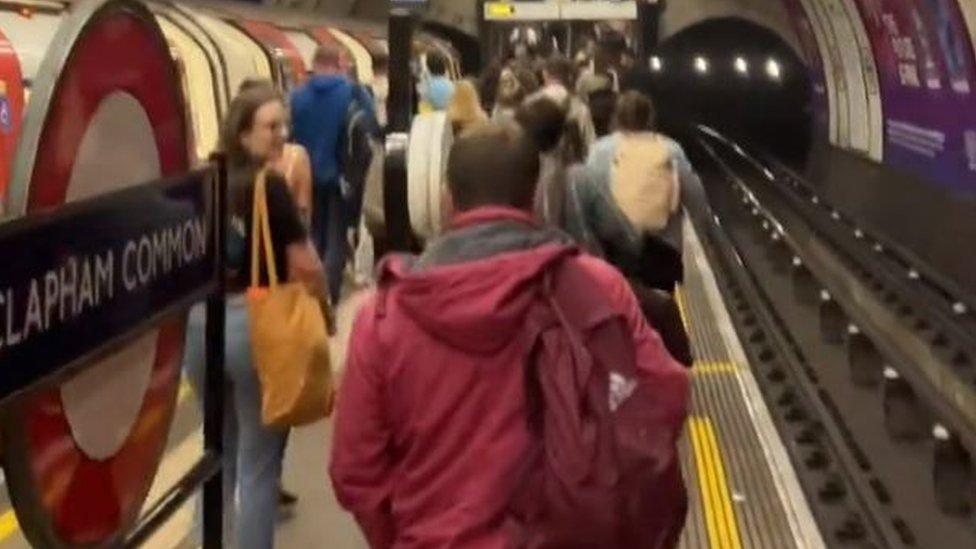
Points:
(320, 112)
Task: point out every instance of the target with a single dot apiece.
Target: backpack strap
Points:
(355, 116)
(569, 302)
(569, 291)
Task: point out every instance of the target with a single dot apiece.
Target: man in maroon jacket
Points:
(431, 429)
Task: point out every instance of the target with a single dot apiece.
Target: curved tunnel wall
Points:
(899, 81)
(894, 81)
(681, 14)
(917, 185)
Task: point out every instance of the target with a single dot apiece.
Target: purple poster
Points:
(808, 42)
(928, 83)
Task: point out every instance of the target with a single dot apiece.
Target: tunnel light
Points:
(741, 65)
(656, 64)
(701, 64)
(773, 69)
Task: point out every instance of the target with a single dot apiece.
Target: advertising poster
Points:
(928, 78)
(820, 100)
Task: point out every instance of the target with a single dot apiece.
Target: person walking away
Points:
(465, 109)
(528, 79)
(360, 144)
(320, 113)
(361, 147)
(441, 460)
(488, 84)
(544, 119)
(508, 97)
(638, 177)
(514, 85)
(559, 76)
(253, 134)
(603, 104)
(652, 261)
(600, 74)
(436, 88)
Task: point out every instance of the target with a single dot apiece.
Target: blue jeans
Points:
(253, 454)
(329, 233)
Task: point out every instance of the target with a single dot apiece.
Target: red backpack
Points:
(606, 473)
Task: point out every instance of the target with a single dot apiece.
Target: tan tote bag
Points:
(289, 341)
(644, 181)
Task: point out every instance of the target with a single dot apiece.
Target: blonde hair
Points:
(465, 109)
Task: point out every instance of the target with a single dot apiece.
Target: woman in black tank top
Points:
(254, 133)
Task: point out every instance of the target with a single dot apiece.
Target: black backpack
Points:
(355, 157)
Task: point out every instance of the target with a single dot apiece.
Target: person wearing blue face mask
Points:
(437, 89)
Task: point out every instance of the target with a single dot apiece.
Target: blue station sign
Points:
(75, 280)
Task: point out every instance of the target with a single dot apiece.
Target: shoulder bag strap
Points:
(256, 230)
(261, 233)
(269, 254)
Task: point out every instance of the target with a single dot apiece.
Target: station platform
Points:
(742, 488)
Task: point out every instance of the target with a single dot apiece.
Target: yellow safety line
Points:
(712, 510)
(704, 485)
(185, 391)
(720, 520)
(679, 296)
(8, 524)
(723, 494)
(8, 520)
(711, 367)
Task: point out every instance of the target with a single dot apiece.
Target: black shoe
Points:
(286, 498)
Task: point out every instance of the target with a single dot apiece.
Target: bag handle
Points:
(261, 233)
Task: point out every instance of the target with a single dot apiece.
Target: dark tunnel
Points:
(740, 78)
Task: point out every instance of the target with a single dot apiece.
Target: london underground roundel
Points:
(106, 113)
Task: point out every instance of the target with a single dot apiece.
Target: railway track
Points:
(862, 355)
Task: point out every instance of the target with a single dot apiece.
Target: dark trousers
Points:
(329, 234)
(658, 266)
(662, 313)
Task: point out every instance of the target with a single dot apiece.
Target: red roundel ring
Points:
(113, 98)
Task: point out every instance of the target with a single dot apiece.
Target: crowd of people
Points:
(520, 382)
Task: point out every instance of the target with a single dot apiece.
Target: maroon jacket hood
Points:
(472, 288)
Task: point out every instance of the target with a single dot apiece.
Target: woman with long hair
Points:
(465, 109)
(253, 136)
(292, 162)
(488, 84)
(544, 119)
(508, 97)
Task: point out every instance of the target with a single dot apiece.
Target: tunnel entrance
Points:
(740, 78)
